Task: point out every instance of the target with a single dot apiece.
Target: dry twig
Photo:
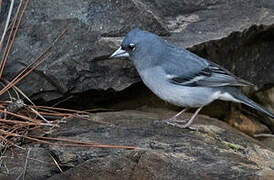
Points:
(6, 25)
(24, 119)
(12, 36)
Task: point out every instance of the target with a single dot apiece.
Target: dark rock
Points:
(4, 9)
(40, 165)
(201, 21)
(266, 97)
(248, 54)
(268, 141)
(220, 30)
(116, 18)
(215, 150)
(246, 124)
(70, 68)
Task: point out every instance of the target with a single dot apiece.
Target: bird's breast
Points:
(157, 81)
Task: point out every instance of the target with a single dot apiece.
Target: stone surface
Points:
(248, 54)
(40, 164)
(68, 70)
(92, 26)
(266, 97)
(116, 18)
(201, 20)
(246, 124)
(225, 31)
(268, 141)
(215, 150)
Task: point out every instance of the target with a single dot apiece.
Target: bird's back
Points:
(180, 61)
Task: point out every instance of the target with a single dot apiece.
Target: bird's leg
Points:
(174, 118)
(189, 122)
(192, 118)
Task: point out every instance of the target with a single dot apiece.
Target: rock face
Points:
(248, 54)
(267, 98)
(237, 34)
(116, 18)
(214, 151)
(201, 21)
(94, 28)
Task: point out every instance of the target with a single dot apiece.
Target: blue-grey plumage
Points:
(179, 76)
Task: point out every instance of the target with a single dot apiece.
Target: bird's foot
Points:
(174, 119)
(182, 126)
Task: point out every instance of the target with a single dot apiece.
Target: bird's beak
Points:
(119, 53)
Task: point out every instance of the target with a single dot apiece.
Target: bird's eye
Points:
(131, 46)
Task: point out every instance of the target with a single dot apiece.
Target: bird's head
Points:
(138, 44)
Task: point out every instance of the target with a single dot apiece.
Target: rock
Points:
(200, 21)
(92, 25)
(216, 149)
(164, 152)
(69, 70)
(247, 54)
(246, 124)
(149, 165)
(266, 97)
(40, 165)
(116, 18)
(268, 141)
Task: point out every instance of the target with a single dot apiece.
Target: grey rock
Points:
(215, 150)
(267, 141)
(248, 54)
(93, 25)
(202, 21)
(39, 165)
(266, 97)
(68, 69)
(116, 18)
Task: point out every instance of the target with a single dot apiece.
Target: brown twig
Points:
(61, 109)
(13, 37)
(19, 77)
(84, 144)
(19, 91)
(11, 33)
(74, 143)
(19, 116)
(27, 123)
(7, 24)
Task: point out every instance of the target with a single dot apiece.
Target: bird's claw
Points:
(174, 124)
(174, 119)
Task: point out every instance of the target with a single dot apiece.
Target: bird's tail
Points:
(245, 100)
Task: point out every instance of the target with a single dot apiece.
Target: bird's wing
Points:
(187, 69)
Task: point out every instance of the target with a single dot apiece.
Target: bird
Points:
(179, 76)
